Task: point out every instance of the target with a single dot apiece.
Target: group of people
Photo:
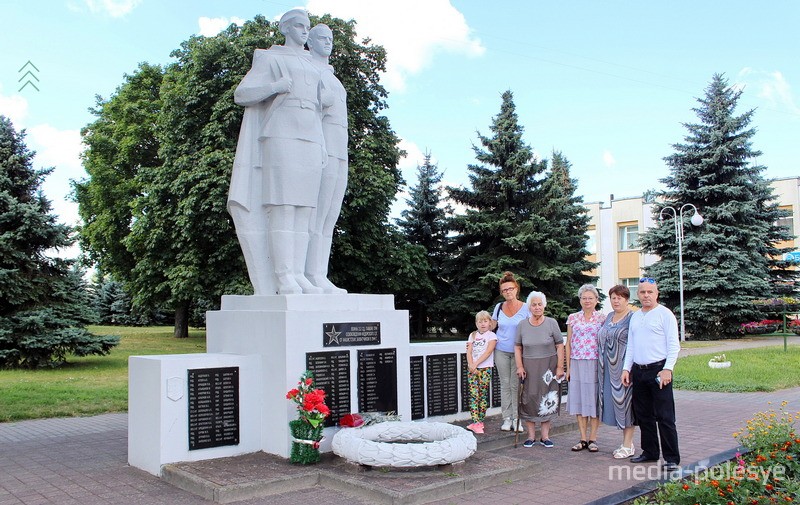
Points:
(618, 366)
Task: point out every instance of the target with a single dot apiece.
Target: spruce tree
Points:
(44, 305)
(501, 228)
(424, 224)
(565, 267)
(727, 260)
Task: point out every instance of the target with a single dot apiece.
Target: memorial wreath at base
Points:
(307, 429)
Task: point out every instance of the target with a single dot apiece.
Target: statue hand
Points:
(282, 85)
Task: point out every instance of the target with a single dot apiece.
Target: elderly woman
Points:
(539, 354)
(582, 329)
(613, 398)
(507, 315)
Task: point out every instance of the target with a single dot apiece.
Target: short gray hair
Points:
(588, 287)
(537, 294)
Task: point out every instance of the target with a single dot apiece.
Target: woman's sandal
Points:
(592, 446)
(624, 452)
(583, 444)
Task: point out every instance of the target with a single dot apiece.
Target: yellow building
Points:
(614, 230)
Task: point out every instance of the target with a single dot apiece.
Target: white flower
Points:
(549, 403)
(547, 377)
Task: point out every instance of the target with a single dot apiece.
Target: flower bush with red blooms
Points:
(768, 473)
(310, 402)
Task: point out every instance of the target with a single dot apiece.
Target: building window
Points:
(591, 241)
(787, 221)
(628, 237)
(633, 285)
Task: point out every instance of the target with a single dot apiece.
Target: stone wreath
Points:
(405, 444)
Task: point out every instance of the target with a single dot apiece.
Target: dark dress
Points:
(540, 399)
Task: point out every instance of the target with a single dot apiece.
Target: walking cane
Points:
(519, 403)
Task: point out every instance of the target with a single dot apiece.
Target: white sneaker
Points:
(507, 425)
(520, 428)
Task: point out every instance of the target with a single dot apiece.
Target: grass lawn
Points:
(761, 369)
(91, 385)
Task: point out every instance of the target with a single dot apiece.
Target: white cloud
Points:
(14, 107)
(212, 26)
(771, 86)
(60, 149)
(411, 31)
(114, 8)
(608, 159)
(414, 156)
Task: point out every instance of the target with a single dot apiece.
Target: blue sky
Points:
(609, 84)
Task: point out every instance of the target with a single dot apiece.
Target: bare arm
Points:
(566, 349)
(560, 355)
(518, 359)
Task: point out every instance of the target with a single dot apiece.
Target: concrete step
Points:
(228, 480)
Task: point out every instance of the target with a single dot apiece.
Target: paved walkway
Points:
(84, 460)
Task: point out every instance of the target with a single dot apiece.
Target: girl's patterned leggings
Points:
(479, 393)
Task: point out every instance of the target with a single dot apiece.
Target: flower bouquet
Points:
(307, 429)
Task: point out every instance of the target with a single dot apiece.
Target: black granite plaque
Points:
(464, 383)
(348, 334)
(332, 374)
(213, 407)
(442, 381)
(417, 388)
(495, 389)
(377, 380)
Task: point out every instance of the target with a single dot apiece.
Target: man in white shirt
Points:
(652, 351)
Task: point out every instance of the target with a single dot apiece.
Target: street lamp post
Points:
(677, 218)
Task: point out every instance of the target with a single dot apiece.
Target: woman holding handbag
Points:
(507, 315)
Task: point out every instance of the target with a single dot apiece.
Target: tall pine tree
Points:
(424, 224)
(727, 261)
(44, 305)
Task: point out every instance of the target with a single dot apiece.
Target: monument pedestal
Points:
(356, 345)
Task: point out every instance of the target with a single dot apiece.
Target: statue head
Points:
(294, 25)
(320, 40)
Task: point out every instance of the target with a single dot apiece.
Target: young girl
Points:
(480, 360)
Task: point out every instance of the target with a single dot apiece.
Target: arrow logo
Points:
(28, 76)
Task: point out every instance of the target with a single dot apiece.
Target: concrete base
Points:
(282, 329)
(158, 413)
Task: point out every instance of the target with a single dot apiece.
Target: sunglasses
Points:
(649, 280)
